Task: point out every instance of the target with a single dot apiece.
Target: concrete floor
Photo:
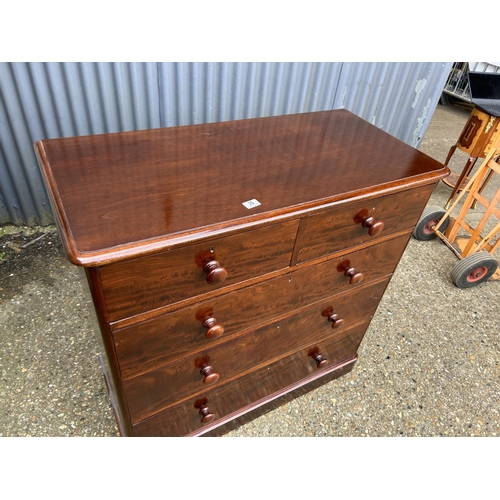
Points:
(429, 364)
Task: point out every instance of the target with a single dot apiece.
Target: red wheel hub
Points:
(429, 227)
(477, 274)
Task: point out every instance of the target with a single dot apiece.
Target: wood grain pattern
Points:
(149, 344)
(253, 387)
(119, 195)
(248, 413)
(108, 358)
(211, 310)
(135, 286)
(341, 227)
(154, 391)
(479, 133)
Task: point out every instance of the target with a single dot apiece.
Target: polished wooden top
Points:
(125, 194)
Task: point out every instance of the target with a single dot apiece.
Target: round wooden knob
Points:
(206, 416)
(204, 411)
(354, 276)
(210, 377)
(214, 331)
(374, 227)
(320, 361)
(336, 321)
(215, 273)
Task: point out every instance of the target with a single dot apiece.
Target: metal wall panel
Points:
(45, 100)
(399, 98)
(212, 92)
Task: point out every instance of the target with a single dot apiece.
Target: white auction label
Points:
(251, 203)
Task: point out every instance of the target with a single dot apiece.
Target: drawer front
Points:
(147, 283)
(148, 345)
(156, 390)
(342, 227)
(252, 387)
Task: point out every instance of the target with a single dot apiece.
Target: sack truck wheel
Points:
(474, 269)
(424, 230)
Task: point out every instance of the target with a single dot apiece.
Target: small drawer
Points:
(263, 384)
(154, 391)
(143, 284)
(356, 223)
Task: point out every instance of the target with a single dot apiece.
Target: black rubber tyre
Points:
(424, 230)
(474, 269)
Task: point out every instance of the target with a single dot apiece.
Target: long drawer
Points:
(163, 387)
(147, 345)
(220, 401)
(355, 223)
(143, 284)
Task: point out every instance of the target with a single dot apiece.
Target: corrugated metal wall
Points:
(45, 100)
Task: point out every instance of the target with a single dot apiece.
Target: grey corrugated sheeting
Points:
(212, 92)
(46, 100)
(399, 98)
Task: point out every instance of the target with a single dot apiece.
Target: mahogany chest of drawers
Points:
(233, 265)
